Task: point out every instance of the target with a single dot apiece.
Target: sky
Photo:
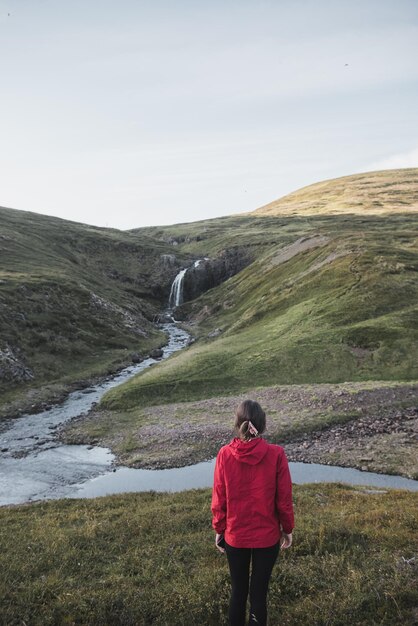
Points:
(132, 113)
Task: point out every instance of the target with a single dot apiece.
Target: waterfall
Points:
(176, 292)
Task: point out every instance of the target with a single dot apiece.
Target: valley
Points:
(308, 305)
(370, 426)
(314, 296)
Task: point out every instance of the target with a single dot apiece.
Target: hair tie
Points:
(252, 429)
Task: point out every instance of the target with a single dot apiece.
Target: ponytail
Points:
(250, 420)
(247, 430)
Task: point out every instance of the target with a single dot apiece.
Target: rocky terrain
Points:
(12, 368)
(377, 440)
(211, 272)
(370, 426)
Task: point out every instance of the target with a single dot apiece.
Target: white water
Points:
(176, 292)
(36, 466)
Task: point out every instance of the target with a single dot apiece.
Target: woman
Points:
(252, 511)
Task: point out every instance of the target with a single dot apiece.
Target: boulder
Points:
(12, 367)
(157, 353)
(168, 260)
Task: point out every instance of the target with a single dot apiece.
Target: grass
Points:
(371, 192)
(344, 310)
(177, 434)
(75, 300)
(140, 559)
(341, 309)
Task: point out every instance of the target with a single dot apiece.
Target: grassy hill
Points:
(75, 300)
(373, 193)
(331, 295)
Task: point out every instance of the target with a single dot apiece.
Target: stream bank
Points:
(34, 463)
(19, 402)
(370, 426)
(52, 453)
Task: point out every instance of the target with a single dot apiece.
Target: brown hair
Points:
(249, 411)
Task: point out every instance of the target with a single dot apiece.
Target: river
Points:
(35, 465)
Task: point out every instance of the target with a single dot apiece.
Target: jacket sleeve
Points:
(284, 503)
(219, 497)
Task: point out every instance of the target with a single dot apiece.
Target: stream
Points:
(127, 479)
(35, 465)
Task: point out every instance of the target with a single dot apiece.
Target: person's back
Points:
(252, 511)
(257, 496)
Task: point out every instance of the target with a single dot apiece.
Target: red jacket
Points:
(252, 494)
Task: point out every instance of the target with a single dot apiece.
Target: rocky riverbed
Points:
(370, 426)
(370, 443)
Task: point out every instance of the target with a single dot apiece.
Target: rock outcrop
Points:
(12, 367)
(209, 273)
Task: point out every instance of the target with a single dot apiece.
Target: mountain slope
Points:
(331, 296)
(371, 193)
(74, 299)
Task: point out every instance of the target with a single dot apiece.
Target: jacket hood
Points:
(251, 452)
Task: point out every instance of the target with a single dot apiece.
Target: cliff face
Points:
(76, 298)
(209, 273)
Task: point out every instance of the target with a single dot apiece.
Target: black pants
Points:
(263, 560)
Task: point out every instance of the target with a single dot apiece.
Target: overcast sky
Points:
(129, 113)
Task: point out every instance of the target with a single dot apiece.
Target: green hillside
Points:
(331, 295)
(75, 300)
